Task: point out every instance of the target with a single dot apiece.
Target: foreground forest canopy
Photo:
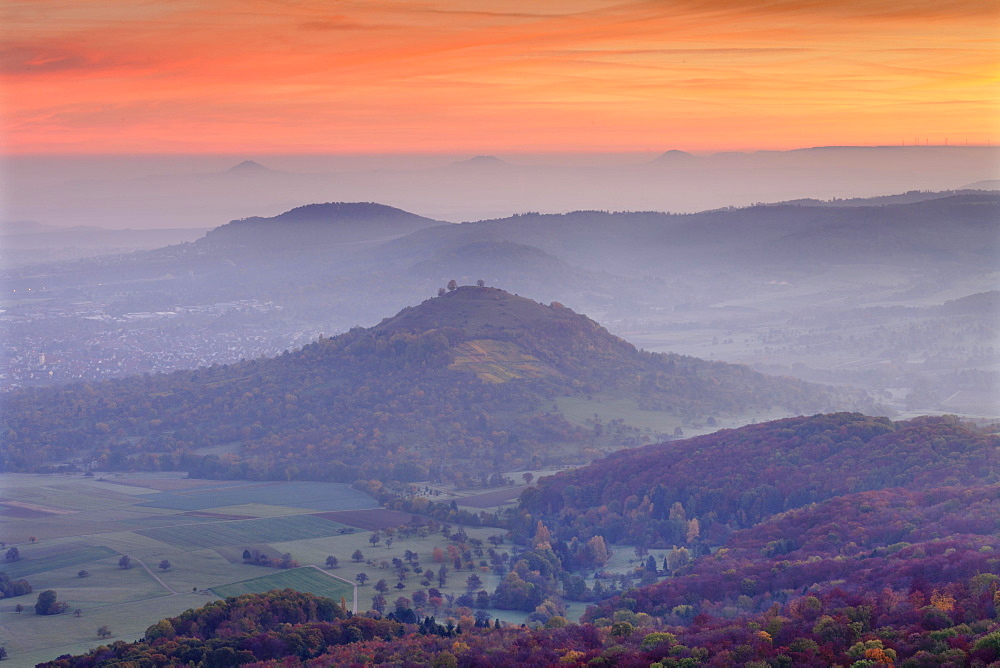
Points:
(899, 567)
(735, 478)
(458, 386)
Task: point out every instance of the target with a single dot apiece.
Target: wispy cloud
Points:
(392, 74)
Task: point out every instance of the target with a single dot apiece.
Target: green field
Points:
(94, 525)
(305, 495)
(306, 579)
(238, 532)
(73, 557)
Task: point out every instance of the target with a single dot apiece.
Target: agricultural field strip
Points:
(374, 519)
(309, 496)
(128, 525)
(308, 579)
(157, 485)
(72, 557)
(234, 532)
(47, 510)
(191, 521)
(352, 585)
(74, 497)
(497, 498)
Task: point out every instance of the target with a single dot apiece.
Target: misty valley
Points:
(349, 434)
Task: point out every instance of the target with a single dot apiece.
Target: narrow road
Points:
(155, 576)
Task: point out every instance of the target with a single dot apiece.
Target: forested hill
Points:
(307, 226)
(739, 477)
(459, 385)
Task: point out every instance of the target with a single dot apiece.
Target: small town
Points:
(54, 344)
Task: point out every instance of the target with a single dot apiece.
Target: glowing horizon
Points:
(557, 76)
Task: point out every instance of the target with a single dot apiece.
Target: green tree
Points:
(103, 631)
(47, 604)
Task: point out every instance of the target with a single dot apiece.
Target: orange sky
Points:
(287, 76)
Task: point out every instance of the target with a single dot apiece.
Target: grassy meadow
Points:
(71, 531)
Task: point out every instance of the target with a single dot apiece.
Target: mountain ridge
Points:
(336, 222)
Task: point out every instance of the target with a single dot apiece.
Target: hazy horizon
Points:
(164, 191)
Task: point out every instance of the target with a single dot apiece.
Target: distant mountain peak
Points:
(310, 225)
(673, 155)
(988, 184)
(482, 161)
(248, 167)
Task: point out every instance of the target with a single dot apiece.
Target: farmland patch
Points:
(257, 510)
(369, 520)
(267, 530)
(21, 513)
(310, 580)
(71, 557)
(307, 495)
(216, 516)
(171, 484)
(491, 499)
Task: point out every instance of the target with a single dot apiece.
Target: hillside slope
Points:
(735, 478)
(460, 385)
(305, 227)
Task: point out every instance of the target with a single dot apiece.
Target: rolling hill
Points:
(316, 225)
(463, 384)
(735, 478)
(767, 285)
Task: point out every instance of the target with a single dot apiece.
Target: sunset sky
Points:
(374, 76)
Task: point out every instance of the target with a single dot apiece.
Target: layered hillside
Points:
(904, 576)
(305, 227)
(736, 478)
(862, 542)
(461, 384)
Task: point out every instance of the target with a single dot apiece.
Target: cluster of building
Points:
(49, 343)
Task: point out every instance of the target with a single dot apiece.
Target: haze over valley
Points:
(205, 191)
(892, 294)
